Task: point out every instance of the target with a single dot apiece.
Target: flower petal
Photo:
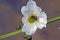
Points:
(41, 25)
(44, 15)
(23, 28)
(38, 9)
(24, 11)
(43, 18)
(31, 4)
(24, 20)
(29, 29)
(30, 8)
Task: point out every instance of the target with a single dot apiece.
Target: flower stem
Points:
(53, 19)
(20, 31)
(10, 34)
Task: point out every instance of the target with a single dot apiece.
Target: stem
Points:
(54, 19)
(10, 34)
(20, 31)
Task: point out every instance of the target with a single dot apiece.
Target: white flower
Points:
(33, 18)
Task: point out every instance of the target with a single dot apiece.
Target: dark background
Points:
(10, 14)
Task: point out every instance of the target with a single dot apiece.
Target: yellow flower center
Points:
(32, 18)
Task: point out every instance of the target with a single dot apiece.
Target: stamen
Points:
(31, 20)
(34, 17)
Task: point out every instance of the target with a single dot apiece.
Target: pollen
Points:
(32, 18)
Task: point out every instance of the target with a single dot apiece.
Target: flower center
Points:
(32, 18)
